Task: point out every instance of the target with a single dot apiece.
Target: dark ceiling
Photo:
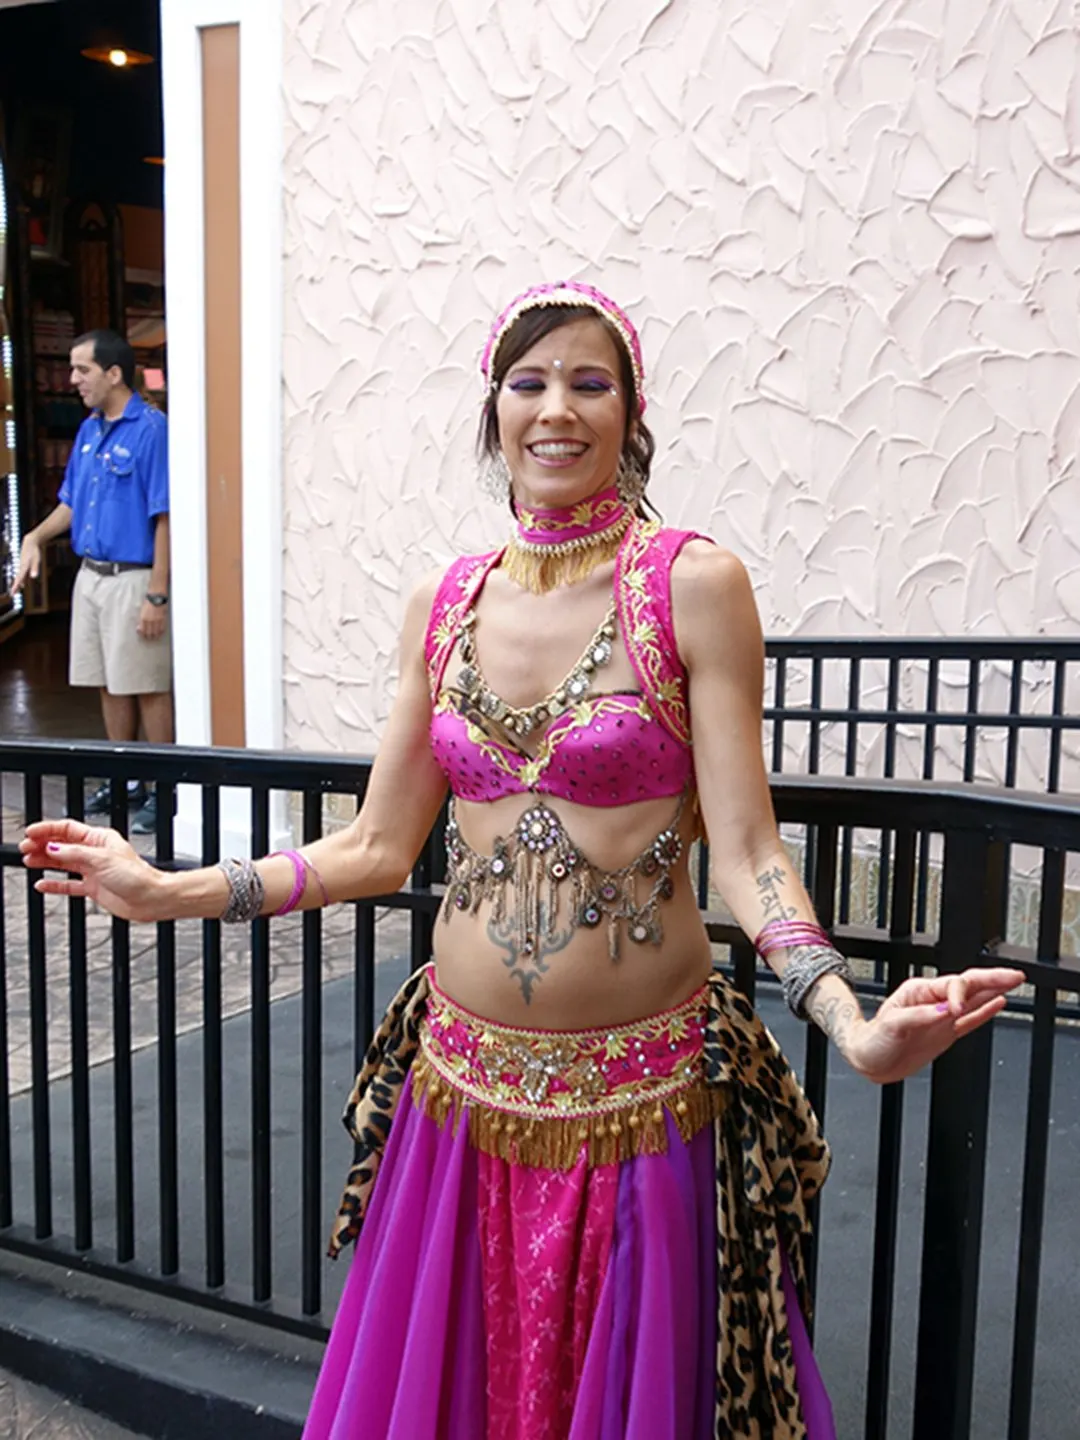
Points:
(116, 114)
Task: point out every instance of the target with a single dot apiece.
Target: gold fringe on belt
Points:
(616, 1128)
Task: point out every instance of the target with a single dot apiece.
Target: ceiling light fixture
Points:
(117, 56)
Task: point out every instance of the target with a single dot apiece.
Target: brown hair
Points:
(526, 331)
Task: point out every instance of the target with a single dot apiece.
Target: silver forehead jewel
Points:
(557, 364)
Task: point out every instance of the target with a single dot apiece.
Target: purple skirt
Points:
(449, 1228)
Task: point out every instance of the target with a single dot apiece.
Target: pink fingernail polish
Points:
(53, 848)
(943, 1007)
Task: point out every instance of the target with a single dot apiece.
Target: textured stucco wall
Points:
(850, 234)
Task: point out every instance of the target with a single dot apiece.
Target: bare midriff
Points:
(576, 984)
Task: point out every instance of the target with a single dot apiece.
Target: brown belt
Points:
(112, 567)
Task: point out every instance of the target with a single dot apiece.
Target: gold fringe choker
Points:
(560, 547)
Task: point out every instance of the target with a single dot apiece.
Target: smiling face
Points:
(561, 413)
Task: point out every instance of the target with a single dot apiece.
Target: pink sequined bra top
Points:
(602, 749)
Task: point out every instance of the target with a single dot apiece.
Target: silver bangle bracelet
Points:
(803, 972)
(246, 891)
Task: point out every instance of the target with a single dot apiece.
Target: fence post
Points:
(41, 1121)
(956, 1155)
(890, 1130)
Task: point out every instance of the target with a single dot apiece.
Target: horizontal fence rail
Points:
(128, 1143)
(996, 711)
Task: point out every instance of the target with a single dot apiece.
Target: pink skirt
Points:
(495, 1297)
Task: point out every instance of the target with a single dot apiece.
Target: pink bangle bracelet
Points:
(786, 934)
(787, 927)
(318, 878)
(765, 944)
(299, 882)
(301, 865)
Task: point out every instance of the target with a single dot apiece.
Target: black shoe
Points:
(145, 822)
(100, 802)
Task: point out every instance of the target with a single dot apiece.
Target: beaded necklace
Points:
(522, 720)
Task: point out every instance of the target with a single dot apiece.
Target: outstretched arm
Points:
(719, 638)
(373, 856)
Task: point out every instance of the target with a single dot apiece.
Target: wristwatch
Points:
(157, 599)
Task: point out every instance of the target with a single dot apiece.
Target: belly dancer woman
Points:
(581, 1192)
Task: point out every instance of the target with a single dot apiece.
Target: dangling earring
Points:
(495, 476)
(630, 480)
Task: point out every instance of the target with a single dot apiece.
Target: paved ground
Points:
(29, 1413)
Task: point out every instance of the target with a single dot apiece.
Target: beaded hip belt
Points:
(541, 1097)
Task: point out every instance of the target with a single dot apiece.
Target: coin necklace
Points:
(522, 720)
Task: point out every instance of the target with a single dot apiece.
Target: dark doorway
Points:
(82, 152)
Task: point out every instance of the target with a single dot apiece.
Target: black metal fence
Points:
(992, 711)
(135, 1163)
(996, 712)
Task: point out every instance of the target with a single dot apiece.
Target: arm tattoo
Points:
(528, 963)
(835, 1014)
(769, 884)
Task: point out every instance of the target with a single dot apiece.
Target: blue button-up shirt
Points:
(117, 483)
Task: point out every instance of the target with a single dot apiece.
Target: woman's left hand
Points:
(922, 1018)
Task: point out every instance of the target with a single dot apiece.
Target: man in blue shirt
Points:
(115, 501)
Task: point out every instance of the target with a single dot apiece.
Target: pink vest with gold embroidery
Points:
(648, 764)
(643, 591)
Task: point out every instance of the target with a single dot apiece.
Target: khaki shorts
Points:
(106, 651)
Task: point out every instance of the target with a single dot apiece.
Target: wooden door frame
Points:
(260, 116)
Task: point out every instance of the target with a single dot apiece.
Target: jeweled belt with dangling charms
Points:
(526, 870)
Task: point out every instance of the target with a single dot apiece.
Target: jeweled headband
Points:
(568, 292)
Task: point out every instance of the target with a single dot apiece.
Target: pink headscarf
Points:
(569, 292)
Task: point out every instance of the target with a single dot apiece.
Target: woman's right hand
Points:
(101, 866)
